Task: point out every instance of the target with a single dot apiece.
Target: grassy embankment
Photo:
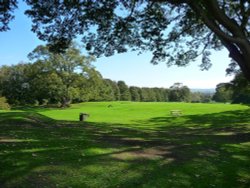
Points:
(126, 145)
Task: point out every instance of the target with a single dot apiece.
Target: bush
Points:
(36, 103)
(45, 102)
(4, 104)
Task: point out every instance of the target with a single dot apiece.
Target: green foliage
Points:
(15, 83)
(61, 75)
(161, 94)
(148, 95)
(241, 89)
(53, 79)
(198, 97)
(179, 93)
(6, 13)
(135, 93)
(124, 91)
(62, 79)
(236, 91)
(4, 104)
(223, 93)
(175, 31)
(115, 91)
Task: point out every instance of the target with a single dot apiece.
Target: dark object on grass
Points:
(83, 116)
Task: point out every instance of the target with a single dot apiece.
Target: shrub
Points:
(4, 104)
(45, 102)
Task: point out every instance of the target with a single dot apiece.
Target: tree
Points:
(241, 89)
(48, 88)
(223, 93)
(95, 87)
(107, 93)
(15, 83)
(161, 94)
(196, 97)
(4, 104)
(236, 91)
(6, 13)
(60, 76)
(115, 89)
(179, 93)
(124, 91)
(4, 73)
(135, 93)
(176, 31)
(54, 78)
(148, 95)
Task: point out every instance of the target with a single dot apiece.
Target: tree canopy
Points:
(62, 79)
(175, 31)
(236, 91)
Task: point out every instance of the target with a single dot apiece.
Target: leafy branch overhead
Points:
(175, 31)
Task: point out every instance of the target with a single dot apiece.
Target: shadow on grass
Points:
(209, 150)
(215, 119)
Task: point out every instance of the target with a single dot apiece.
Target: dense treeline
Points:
(62, 79)
(236, 91)
(53, 79)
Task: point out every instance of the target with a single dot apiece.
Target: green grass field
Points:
(126, 145)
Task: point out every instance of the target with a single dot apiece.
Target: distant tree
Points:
(179, 93)
(15, 83)
(124, 91)
(135, 93)
(152, 94)
(148, 94)
(166, 94)
(200, 97)
(223, 93)
(94, 88)
(115, 89)
(195, 97)
(241, 89)
(236, 91)
(206, 97)
(107, 93)
(48, 87)
(158, 94)
(144, 95)
(67, 69)
(161, 94)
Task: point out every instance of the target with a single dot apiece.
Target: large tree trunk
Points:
(241, 55)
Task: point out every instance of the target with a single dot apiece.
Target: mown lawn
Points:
(125, 144)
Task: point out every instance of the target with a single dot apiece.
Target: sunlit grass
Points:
(126, 145)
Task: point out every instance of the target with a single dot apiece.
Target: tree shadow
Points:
(210, 150)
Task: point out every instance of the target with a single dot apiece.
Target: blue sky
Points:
(133, 69)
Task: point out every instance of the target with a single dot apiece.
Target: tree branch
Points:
(230, 24)
(245, 16)
(212, 25)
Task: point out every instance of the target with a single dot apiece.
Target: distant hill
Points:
(210, 90)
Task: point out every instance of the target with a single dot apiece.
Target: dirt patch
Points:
(152, 153)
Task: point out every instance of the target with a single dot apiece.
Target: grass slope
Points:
(126, 145)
